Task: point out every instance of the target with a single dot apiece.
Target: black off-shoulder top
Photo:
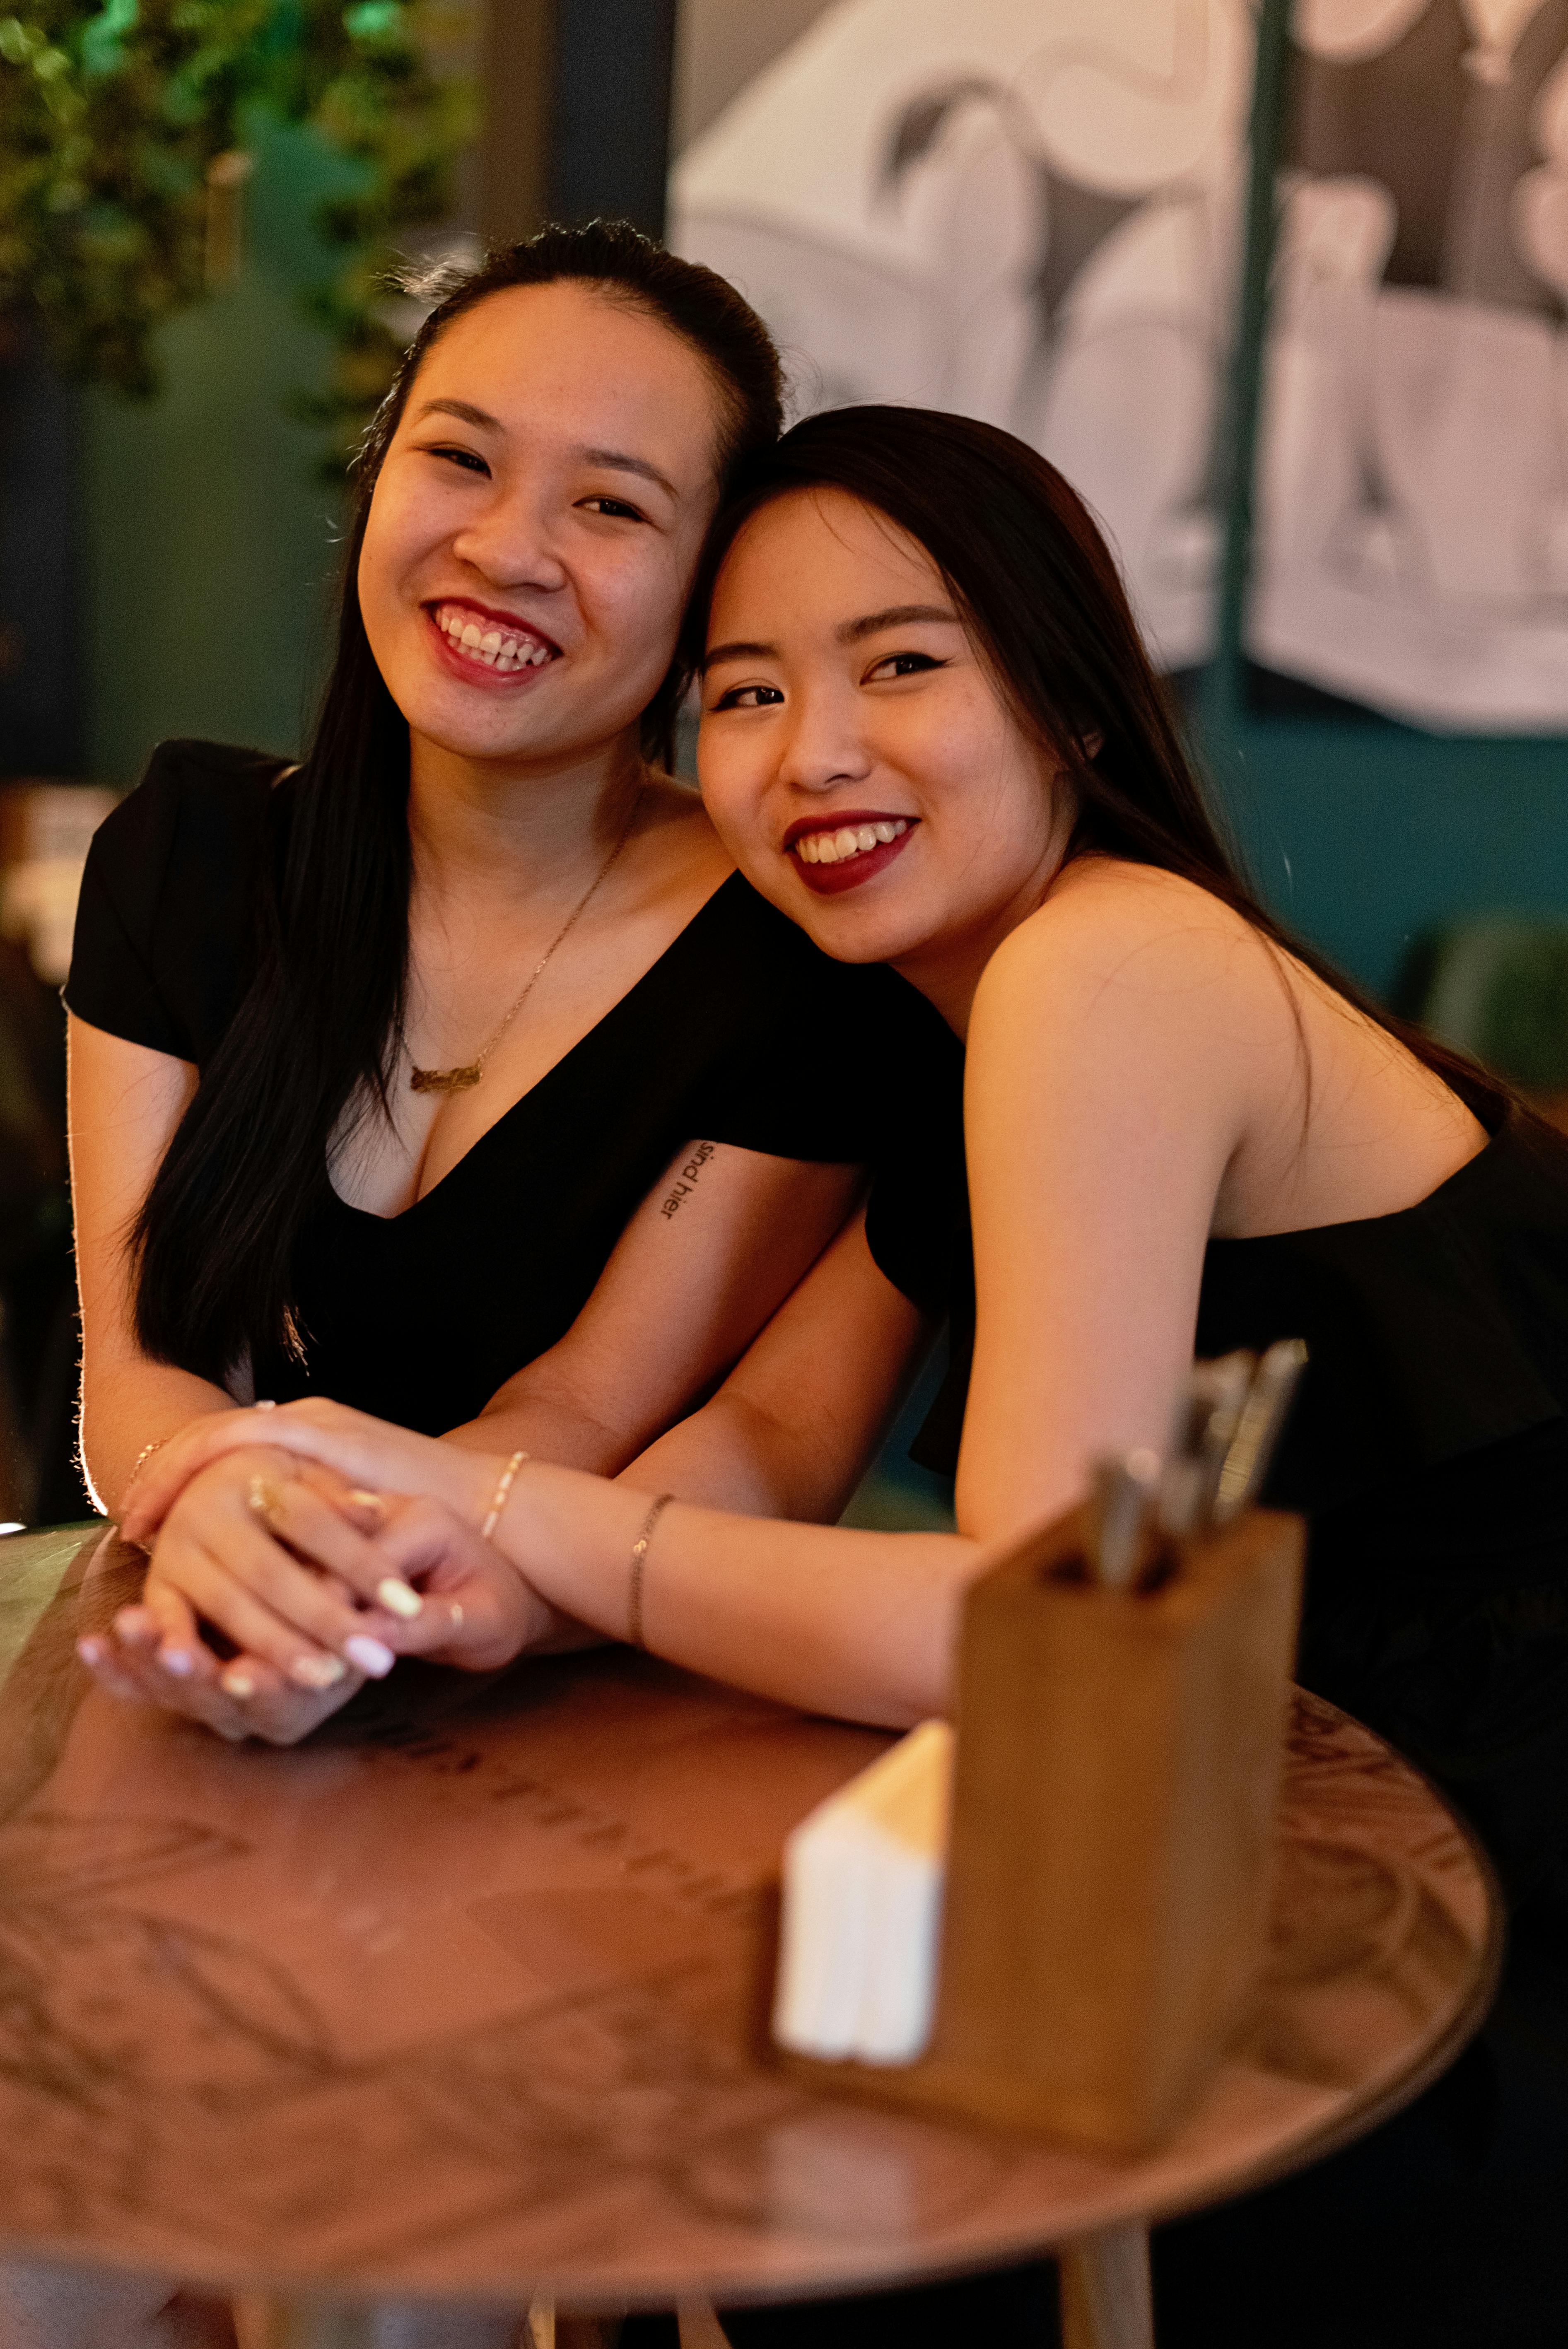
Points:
(741, 1032)
(1428, 1451)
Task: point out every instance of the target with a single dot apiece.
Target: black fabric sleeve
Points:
(836, 1061)
(163, 946)
(112, 984)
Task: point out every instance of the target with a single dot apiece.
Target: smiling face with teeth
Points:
(535, 526)
(856, 755)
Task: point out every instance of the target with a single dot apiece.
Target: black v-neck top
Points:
(740, 1032)
(1428, 1449)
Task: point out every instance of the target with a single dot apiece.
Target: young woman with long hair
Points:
(373, 1058)
(932, 736)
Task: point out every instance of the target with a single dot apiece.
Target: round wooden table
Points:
(464, 1999)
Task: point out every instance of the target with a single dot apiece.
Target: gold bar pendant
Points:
(444, 1080)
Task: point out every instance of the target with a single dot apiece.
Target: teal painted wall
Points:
(1363, 837)
(210, 531)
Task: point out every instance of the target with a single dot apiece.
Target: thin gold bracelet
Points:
(146, 1453)
(502, 1495)
(638, 1560)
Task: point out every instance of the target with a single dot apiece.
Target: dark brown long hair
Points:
(1042, 596)
(320, 1023)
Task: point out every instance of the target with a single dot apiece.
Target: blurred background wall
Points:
(208, 524)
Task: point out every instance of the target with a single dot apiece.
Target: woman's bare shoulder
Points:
(676, 841)
(1117, 932)
(1133, 999)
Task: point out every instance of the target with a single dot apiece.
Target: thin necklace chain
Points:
(461, 1080)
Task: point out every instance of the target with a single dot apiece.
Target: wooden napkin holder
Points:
(1118, 1769)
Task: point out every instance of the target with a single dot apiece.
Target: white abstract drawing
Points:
(1029, 210)
(1023, 209)
(1414, 474)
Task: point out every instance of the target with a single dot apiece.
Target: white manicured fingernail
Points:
(364, 1500)
(238, 1684)
(400, 1599)
(317, 1671)
(266, 1402)
(369, 1655)
(91, 1650)
(177, 1661)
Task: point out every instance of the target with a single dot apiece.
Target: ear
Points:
(1091, 745)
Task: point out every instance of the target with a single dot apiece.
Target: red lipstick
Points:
(832, 880)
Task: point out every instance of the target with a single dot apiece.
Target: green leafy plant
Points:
(120, 128)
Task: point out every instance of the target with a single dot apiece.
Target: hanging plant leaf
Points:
(112, 118)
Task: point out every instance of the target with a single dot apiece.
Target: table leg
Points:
(1107, 2302)
(263, 2323)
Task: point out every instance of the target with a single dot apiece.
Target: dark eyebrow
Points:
(460, 409)
(897, 615)
(739, 651)
(616, 460)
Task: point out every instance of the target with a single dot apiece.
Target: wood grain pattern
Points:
(464, 1999)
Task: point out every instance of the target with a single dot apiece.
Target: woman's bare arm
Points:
(721, 1241)
(124, 1103)
(792, 1430)
(1107, 1092)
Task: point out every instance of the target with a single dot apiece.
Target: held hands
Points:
(153, 1653)
(314, 1582)
(362, 1451)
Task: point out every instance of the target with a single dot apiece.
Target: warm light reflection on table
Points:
(462, 1998)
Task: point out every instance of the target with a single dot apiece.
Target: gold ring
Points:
(264, 1499)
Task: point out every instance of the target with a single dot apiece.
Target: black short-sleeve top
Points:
(740, 1032)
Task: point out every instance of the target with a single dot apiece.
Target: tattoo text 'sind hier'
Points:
(685, 1181)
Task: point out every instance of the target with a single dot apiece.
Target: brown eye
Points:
(466, 459)
(904, 665)
(616, 508)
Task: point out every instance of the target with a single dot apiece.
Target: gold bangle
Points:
(502, 1495)
(638, 1560)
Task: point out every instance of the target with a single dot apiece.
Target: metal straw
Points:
(1206, 1423)
(1125, 1488)
(1262, 1416)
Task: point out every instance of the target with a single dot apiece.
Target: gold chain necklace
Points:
(461, 1080)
